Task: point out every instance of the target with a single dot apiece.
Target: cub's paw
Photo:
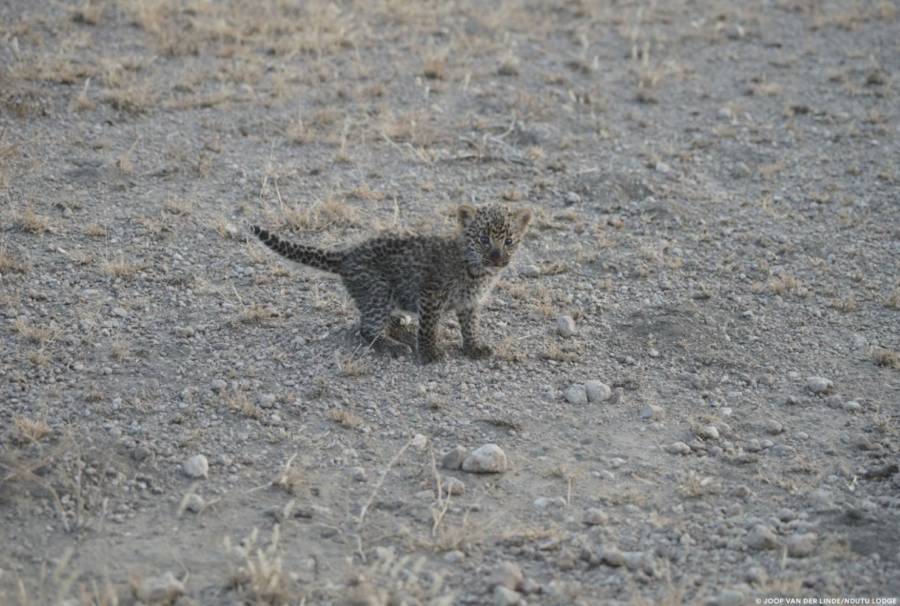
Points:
(432, 354)
(479, 351)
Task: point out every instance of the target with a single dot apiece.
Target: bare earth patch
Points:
(696, 375)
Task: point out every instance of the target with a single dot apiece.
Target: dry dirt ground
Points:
(716, 195)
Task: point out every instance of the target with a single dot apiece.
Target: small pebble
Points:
(548, 502)
(506, 597)
(507, 574)
(730, 597)
(489, 458)
(597, 391)
(162, 589)
(218, 385)
(576, 394)
(762, 537)
(801, 545)
(595, 517)
(651, 411)
(565, 326)
(196, 467)
(678, 448)
(819, 385)
(454, 556)
(530, 271)
(852, 406)
(774, 427)
(454, 458)
(358, 474)
(611, 556)
(572, 197)
(454, 486)
(708, 432)
(193, 503)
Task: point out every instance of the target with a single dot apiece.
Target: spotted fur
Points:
(425, 275)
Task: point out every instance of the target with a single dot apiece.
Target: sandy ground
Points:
(185, 418)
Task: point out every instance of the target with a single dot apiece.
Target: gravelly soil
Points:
(716, 199)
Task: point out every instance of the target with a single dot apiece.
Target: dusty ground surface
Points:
(717, 210)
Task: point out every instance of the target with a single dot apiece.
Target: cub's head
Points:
(490, 235)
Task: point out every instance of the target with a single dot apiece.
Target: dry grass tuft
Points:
(31, 430)
(321, 216)
(258, 572)
(95, 230)
(887, 358)
(893, 300)
(238, 402)
(290, 478)
(353, 366)
(31, 222)
(34, 334)
(10, 264)
(344, 418)
(119, 267)
(847, 304)
(782, 284)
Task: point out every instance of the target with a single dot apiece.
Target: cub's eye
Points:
(485, 239)
(509, 242)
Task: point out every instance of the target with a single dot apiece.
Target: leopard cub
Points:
(425, 275)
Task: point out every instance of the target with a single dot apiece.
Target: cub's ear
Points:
(465, 213)
(521, 218)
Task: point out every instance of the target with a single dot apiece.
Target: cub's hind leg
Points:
(375, 307)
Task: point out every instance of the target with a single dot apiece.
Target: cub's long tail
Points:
(308, 255)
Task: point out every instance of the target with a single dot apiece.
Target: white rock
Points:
(565, 326)
(595, 517)
(489, 458)
(801, 545)
(597, 391)
(419, 441)
(678, 448)
(572, 197)
(852, 406)
(530, 271)
(730, 597)
(762, 537)
(163, 589)
(196, 467)
(507, 574)
(819, 385)
(193, 503)
(506, 597)
(651, 411)
(611, 556)
(218, 385)
(548, 502)
(454, 486)
(708, 432)
(576, 394)
(454, 556)
(774, 427)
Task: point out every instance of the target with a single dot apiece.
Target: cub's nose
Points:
(496, 256)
